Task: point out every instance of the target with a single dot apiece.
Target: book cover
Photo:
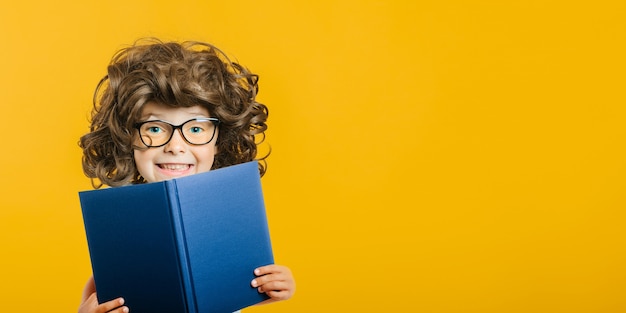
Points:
(188, 244)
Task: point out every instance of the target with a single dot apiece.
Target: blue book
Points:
(187, 245)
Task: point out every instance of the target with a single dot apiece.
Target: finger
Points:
(116, 304)
(272, 268)
(273, 286)
(263, 270)
(262, 280)
(122, 309)
(279, 295)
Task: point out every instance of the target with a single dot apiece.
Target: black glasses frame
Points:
(215, 122)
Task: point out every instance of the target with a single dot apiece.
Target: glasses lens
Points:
(198, 131)
(155, 133)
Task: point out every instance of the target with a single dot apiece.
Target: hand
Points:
(276, 281)
(89, 303)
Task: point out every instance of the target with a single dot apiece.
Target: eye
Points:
(154, 130)
(196, 129)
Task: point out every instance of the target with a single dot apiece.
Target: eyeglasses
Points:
(197, 131)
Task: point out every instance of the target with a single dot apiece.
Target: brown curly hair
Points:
(181, 74)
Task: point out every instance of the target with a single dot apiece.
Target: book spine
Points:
(181, 245)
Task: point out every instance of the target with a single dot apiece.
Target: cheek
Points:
(206, 159)
(141, 159)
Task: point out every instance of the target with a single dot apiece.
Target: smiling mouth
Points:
(174, 167)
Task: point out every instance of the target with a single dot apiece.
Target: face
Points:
(177, 158)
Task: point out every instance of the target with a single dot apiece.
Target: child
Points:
(168, 110)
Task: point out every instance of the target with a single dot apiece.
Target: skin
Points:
(176, 159)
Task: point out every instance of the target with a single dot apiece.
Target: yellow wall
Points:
(440, 156)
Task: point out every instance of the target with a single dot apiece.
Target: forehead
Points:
(159, 111)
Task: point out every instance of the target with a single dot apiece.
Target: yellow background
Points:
(428, 156)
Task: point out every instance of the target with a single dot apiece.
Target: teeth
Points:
(175, 167)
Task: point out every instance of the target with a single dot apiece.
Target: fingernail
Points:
(125, 310)
(254, 283)
(257, 271)
(121, 301)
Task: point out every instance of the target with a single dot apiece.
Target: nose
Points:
(177, 144)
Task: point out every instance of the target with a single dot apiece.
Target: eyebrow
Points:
(150, 116)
